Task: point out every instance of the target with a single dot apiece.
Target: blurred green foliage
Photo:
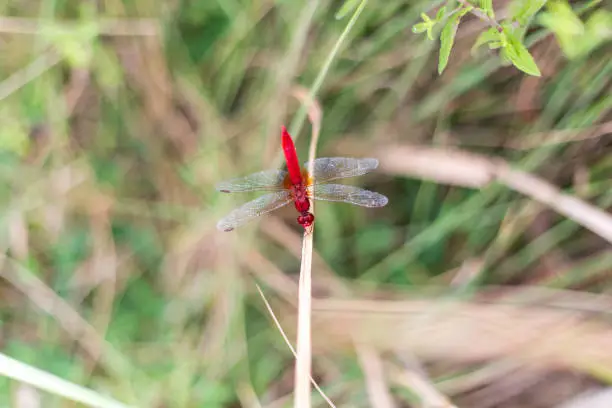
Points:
(158, 121)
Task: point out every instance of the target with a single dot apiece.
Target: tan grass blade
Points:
(376, 384)
(430, 396)
(19, 79)
(585, 214)
(469, 332)
(446, 166)
(19, 371)
(456, 167)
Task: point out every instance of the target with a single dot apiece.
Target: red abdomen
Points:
(293, 166)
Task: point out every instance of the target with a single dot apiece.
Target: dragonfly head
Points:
(306, 219)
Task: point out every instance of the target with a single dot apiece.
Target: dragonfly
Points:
(297, 185)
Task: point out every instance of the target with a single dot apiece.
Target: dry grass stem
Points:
(304, 336)
(455, 167)
(376, 385)
(444, 166)
(430, 397)
(106, 26)
(248, 397)
(472, 332)
(282, 332)
(266, 271)
(479, 377)
(24, 373)
(39, 66)
(583, 213)
(536, 140)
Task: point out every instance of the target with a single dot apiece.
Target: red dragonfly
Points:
(297, 185)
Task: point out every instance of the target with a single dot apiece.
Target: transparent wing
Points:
(255, 208)
(267, 180)
(331, 168)
(348, 194)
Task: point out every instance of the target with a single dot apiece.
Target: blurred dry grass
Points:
(484, 283)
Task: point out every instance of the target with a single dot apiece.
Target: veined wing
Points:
(255, 208)
(348, 194)
(267, 180)
(331, 168)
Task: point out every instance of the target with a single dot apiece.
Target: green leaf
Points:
(75, 44)
(347, 7)
(447, 38)
(489, 36)
(600, 24)
(523, 10)
(503, 56)
(430, 32)
(419, 28)
(518, 54)
(575, 38)
(487, 6)
(561, 18)
(441, 13)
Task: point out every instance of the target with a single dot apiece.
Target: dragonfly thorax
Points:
(300, 198)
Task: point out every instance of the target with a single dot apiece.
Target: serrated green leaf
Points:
(347, 7)
(447, 39)
(518, 54)
(487, 6)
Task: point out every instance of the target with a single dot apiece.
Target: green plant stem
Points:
(298, 121)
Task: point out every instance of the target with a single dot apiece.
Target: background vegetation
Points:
(477, 284)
